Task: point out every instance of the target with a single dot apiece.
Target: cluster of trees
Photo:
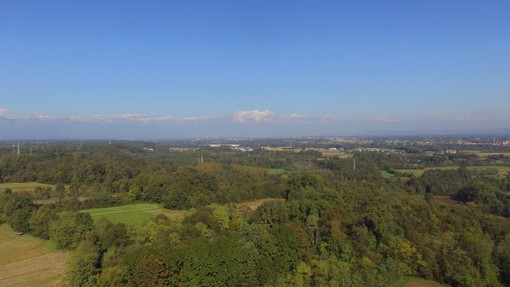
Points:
(61, 222)
(330, 224)
(488, 193)
(463, 159)
(350, 237)
(174, 179)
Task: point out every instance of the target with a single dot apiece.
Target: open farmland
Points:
(143, 212)
(333, 152)
(324, 151)
(24, 186)
(28, 261)
(484, 155)
(386, 174)
(415, 282)
(273, 171)
(252, 205)
(502, 169)
(134, 213)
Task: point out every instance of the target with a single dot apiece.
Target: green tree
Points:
(40, 221)
(271, 213)
(17, 210)
(60, 190)
(503, 256)
(85, 266)
(69, 229)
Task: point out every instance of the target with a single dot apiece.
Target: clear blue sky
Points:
(310, 67)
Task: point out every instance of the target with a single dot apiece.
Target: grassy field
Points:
(415, 172)
(386, 174)
(415, 282)
(252, 205)
(28, 261)
(25, 186)
(142, 212)
(502, 169)
(334, 152)
(324, 151)
(134, 213)
(273, 171)
(485, 155)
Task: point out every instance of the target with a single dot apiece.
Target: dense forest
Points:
(330, 220)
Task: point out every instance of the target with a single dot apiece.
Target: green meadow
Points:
(502, 169)
(415, 282)
(273, 171)
(23, 186)
(134, 213)
(386, 174)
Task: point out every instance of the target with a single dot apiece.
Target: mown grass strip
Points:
(273, 171)
(386, 174)
(132, 214)
(22, 186)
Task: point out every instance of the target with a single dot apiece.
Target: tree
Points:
(85, 266)
(70, 228)
(271, 213)
(17, 210)
(60, 190)
(40, 221)
(503, 256)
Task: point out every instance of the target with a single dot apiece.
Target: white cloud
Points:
(115, 118)
(296, 116)
(326, 119)
(267, 116)
(476, 118)
(381, 120)
(253, 116)
(470, 118)
(4, 112)
(147, 118)
(263, 117)
(126, 118)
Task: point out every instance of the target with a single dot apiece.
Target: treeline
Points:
(175, 179)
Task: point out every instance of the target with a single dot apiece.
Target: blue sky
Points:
(163, 69)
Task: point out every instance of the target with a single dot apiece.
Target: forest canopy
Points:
(319, 220)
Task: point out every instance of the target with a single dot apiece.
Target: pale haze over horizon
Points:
(175, 69)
